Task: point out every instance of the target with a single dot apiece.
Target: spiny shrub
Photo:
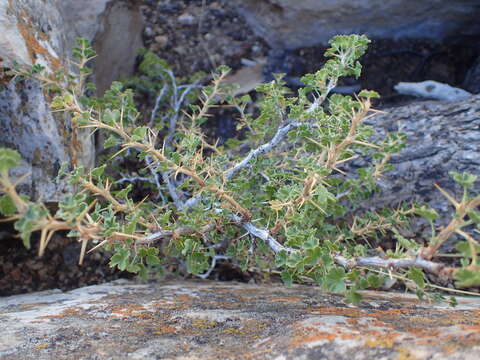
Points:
(277, 200)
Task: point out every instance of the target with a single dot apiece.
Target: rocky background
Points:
(412, 41)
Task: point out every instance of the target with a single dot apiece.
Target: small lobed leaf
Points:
(9, 159)
(31, 221)
(7, 206)
(465, 179)
(416, 275)
(467, 277)
(427, 213)
(334, 280)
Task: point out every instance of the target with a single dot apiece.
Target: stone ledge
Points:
(210, 320)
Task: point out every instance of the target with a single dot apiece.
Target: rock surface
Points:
(293, 24)
(441, 137)
(44, 32)
(114, 27)
(208, 320)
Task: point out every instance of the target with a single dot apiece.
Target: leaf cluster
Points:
(282, 207)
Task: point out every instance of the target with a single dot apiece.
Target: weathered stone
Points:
(293, 24)
(432, 90)
(472, 79)
(441, 137)
(34, 35)
(208, 320)
(44, 32)
(115, 29)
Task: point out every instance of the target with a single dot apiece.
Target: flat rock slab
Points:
(211, 320)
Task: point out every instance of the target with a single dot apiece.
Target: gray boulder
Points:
(442, 136)
(292, 24)
(44, 32)
(208, 320)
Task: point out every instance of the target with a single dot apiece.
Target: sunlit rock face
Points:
(211, 320)
(293, 24)
(44, 32)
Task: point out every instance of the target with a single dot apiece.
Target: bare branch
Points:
(281, 132)
(157, 105)
(212, 266)
(378, 262)
(168, 234)
(261, 234)
(179, 204)
(393, 264)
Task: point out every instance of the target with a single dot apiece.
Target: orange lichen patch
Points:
(131, 310)
(34, 48)
(353, 322)
(145, 316)
(185, 298)
(404, 353)
(450, 348)
(64, 313)
(475, 329)
(168, 305)
(307, 334)
(310, 336)
(385, 341)
(287, 299)
(233, 331)
(166, 330)
(204, 324)
(388, 313)
(350, 312)
(41, 346)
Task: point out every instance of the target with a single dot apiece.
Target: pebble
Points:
(187, 19)
(148, 32)
(161, 40)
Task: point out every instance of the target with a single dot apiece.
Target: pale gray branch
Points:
(261, 234)
(375, 261)
(390, 264)
(212, 266)
(280, 134)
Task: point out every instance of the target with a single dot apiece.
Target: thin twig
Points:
(281, 132)
(212, 266)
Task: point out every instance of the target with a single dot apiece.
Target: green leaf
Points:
(152, 260)
(111, 141)
(294, 259)
(152, 251)
(120, 258)
(123, 194)
(353, 297)
(197, 262)
(281, 258)
(375, 281)
(368, 94)
(465, 179)
(8, 159)
(334, 280)
(139, 133)
(7, 206)
(143, 272)
(31, 221)
(287, 276)
(474, 215)
(111, 117)
(467, 278)
(416, 275)
(133, 268)
(98, 172)
(465, 249)
(310, 243)
(427, 213)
